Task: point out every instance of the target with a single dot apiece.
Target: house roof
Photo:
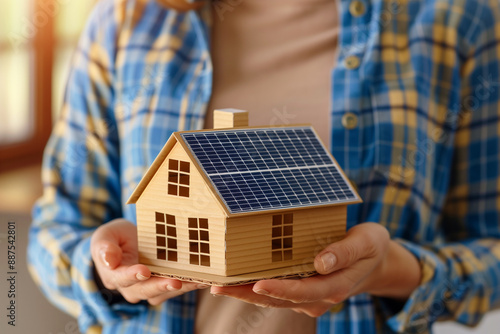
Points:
(258, 169)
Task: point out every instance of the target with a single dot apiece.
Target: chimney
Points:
(230, 118)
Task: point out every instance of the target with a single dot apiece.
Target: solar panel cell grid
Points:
(262, 169)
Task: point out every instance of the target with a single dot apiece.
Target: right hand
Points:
(114, 251)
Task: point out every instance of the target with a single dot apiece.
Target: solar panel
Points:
(269, 168)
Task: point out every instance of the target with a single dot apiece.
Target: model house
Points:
(235, 204)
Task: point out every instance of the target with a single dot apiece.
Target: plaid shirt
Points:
(424, 154)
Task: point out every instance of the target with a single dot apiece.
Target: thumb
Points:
(110, 254)
(360, 242)
(107, 241)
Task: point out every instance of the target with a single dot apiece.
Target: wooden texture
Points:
(241, 245)
(150, 173)
(230, 118)
(202, 174)
(248, 239)
(201, 203)
(305, 270)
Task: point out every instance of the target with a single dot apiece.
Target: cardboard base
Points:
(301, 271)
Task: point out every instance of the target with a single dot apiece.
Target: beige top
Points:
(274, 59)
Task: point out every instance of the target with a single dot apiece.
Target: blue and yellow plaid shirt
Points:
(422, 79)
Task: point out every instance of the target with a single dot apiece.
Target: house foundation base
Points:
(297, 271)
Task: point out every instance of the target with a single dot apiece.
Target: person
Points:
(406, 93)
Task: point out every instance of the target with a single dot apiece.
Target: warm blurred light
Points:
(69, 24)
(15, 66)
(19, 23)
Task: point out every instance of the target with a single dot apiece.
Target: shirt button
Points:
(337, 308)
(352, 62)
(349, 121)
(356, 8)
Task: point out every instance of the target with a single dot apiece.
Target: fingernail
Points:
(218, 294)
(329, 260)
(171, 288)
(202, 286)
(141, 277)
(102, 253)
(261, 292)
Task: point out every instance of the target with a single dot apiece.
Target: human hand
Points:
(366, 260)
(114, 252)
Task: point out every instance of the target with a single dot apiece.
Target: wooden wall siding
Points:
(248, 239)
(224, 119)
(200, 204)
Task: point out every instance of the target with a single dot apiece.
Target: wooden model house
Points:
(234, 205)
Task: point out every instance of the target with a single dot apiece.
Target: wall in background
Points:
(37, 39)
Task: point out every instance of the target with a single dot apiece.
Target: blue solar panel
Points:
(271, 168)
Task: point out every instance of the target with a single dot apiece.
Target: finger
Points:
(114, 243)
(313, 310)
(174, 292)
(121, 276)
(106, 257)
(153, 287)
(246, 294)
(125, 276)
(176, 285)
(109, 254)
(361, 241)
(334, 288)
(296, 291)
(112, 274)
(158, 289)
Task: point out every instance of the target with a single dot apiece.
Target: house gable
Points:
(160, 158)
(198, 200)
(160, 205)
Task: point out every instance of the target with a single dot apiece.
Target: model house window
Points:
(178, 178)
(199, 247)
(282, 237)
(166, 237)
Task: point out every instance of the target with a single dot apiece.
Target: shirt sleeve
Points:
(461, 275)
(81, 180)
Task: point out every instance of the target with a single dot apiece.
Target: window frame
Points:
(179, 177)
(169, 234)
(199, 238)
(41, 48)
(282, 237)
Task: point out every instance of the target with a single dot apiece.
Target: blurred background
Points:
(37, 40)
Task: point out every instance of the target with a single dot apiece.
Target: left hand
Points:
(366, 260)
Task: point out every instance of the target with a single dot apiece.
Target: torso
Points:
(273, 59)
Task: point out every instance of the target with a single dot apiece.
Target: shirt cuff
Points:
(429, 300)
(98, 307)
